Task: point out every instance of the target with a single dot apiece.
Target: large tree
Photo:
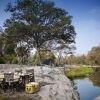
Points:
(33, 23)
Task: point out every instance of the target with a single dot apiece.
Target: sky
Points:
(86, 20)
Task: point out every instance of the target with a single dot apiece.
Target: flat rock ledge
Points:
(54, 84)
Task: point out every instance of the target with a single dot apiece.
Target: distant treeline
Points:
(92, 58)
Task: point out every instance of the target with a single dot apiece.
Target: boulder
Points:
(54, 84)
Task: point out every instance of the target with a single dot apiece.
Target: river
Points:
(89, 87)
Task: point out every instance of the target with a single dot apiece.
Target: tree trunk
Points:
(39, 56)
(60, 57)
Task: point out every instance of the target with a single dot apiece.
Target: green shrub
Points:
(14, 60)
(2, 60)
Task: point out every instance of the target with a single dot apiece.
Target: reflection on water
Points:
(89, 87)
(95, 77)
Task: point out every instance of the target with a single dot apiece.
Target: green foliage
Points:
(9, 49)
(34, 23)
(81, 59)
(93, 56)
(10, 58)
(71, 59)
(78, 72)
(45, 56)
(14, 60)
(2, 60)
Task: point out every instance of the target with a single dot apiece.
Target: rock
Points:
(97, 98)
(56, 85)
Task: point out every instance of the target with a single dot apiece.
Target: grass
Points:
(78, 72)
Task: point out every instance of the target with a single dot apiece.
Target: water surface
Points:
(89, 87)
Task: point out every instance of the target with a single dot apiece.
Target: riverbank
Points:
(88, 86)
(54, 84)
(78, 71)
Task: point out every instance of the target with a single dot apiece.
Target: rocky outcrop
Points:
(97, 98)
(54, 84)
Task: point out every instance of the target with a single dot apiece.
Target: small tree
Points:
(93, 56)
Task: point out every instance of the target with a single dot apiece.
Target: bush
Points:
(2, 60)
(14, 60)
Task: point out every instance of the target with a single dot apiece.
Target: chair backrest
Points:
(9, 76)
(18, 70)
(30, 71)
(31, 74)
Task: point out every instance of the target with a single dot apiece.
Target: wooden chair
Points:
(9, 77)
(30, 71)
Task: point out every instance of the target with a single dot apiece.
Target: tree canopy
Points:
(35, 23)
